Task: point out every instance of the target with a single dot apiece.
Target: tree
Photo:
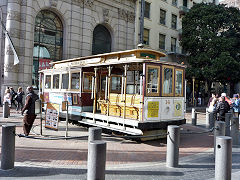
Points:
(211, 36)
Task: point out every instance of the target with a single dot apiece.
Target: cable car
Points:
(133, 91)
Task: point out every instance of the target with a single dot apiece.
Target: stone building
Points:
(231, 3)
(50, 30)
(163, 25)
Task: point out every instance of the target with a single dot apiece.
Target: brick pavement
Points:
(60, 155)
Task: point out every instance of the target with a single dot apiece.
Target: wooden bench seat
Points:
(116, 106)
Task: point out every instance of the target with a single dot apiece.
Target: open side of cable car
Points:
(129, 91)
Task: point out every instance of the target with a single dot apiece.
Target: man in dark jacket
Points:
(30, 115)
(222, 108)
(13, 94)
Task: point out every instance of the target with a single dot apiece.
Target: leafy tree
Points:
(211, 36)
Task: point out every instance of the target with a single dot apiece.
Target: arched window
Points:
(101, 40)
(48, 42)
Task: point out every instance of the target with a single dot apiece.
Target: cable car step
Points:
(119, 128)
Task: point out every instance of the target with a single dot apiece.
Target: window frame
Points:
(158, 67)
(181, 70)
(174, 26)
(74, 72)
(174, 2)
(160, 34)
(115, 91)
(48, 74)
(102, 89)
(162, 10)
(58, 83)
(148, 41)
(83, 85)
(173, 80)
(149, 12)
(175, 47)
(62, 79)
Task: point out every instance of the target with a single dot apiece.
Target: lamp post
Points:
(142, 20)
(193, 79)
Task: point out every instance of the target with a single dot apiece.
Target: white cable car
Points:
(131, 91)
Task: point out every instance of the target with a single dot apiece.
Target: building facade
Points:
(43, 31)
(231, 3)
(163, 25)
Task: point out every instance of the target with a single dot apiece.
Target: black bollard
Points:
(8, 146)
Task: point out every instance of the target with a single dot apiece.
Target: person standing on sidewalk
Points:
(19, 98)
(13, 94)
(7, 98)
(236, 105)
(30, 115)
(222, 108)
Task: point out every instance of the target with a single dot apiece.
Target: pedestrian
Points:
(7, 98)
(213, 104)
(211, 98)
(236, 105)
(222, 108)
(13, 94)
(30, 115)
(19, 98)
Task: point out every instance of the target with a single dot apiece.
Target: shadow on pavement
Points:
(23, 171)
(130, 172)
(200, 166)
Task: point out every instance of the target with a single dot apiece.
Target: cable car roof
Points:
(119, 57)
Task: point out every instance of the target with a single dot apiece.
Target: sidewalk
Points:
(67, 159)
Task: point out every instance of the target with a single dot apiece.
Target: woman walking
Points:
(19, 98)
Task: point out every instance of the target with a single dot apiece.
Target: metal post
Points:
(235, 130)
(219, 131)
(228, 117)
(207, 118)
(210, 121)
(66, 134)
(173, 139)
(96, 160)
(223, 158)
(193, 80)
(95, 133)
(142, 20)
(194, 117)
(8, 146)
(41, 117)
(5, 110)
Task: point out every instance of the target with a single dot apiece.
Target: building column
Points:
(13, 28)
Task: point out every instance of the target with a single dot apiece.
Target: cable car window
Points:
(153, 80)
(65, 81)
(87, 81)
(130, 89)
(75, 81)
(116, 83)
(179, 83)
(48, 82)
(103, 82)
(167, 81)
(56, 81)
